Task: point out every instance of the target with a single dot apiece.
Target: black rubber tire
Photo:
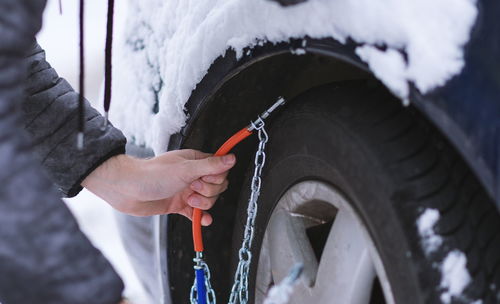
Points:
(392, 165)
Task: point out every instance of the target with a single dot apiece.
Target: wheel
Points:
(342, 264)
(374, 202)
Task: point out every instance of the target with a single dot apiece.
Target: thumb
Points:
(212, 165)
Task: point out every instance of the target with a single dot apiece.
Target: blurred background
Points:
(59, 38)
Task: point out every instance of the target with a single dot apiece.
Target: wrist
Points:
(111, 174)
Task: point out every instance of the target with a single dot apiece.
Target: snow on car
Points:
(382, 203)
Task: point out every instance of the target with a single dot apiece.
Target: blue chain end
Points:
(201, 290)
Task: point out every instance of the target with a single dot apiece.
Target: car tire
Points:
(434, 228)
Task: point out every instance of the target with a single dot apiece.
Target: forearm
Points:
(112, 176)
(129, 185)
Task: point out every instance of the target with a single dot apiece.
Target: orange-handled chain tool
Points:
(197, 213)
(200, 267)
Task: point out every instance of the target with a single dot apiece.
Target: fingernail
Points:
(195, 202)
(228, 159)
(196, 185)
(204, 223)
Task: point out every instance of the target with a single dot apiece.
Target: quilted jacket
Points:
(44, 257)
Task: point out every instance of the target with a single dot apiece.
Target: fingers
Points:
(206, 192)
(206, 218)
(207, 189)
(192, 154)
(213, 165)
(196, 200)
(215, 179)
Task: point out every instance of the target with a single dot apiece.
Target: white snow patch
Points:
(389, 66)
(279, 294)
(298, 52)
(425, 224)
(169, 45)
(455, 276)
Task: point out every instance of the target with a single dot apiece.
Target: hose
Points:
(197, 213)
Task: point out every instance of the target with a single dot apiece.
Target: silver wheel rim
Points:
(349, 261)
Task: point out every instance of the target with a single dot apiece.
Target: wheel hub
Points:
(315, 225)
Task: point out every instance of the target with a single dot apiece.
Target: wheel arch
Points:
(235, 90)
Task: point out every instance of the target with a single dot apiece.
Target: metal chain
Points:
(210, 291)
(239, 291)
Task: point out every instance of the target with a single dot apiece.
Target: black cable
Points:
(81, 114)
(107, 63)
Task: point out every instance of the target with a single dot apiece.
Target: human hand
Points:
(173, 182)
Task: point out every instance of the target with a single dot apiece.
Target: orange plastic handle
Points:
(223, 150)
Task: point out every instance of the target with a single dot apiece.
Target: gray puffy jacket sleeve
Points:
(51, 115)
(44, 257)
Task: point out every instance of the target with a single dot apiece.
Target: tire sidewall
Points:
(311, 142)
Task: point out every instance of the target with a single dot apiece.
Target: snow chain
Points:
(239, 291)
(210, 291)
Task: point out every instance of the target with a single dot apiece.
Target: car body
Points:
(466, 109)
(240, 84)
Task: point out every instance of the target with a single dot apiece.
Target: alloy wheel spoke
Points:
(346, 272)
(290, 245)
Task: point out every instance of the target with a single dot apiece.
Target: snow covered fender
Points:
(438, 55)
(238, 85)
(466, 109)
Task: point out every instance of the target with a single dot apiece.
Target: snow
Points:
(59, 38)
(455, 276)
(298, 52)
(168, 46)
(389, 66)
(425, 224)
(281, 293)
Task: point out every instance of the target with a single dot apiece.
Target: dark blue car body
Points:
(466, 109)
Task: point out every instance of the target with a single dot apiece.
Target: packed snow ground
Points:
(168, 46)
